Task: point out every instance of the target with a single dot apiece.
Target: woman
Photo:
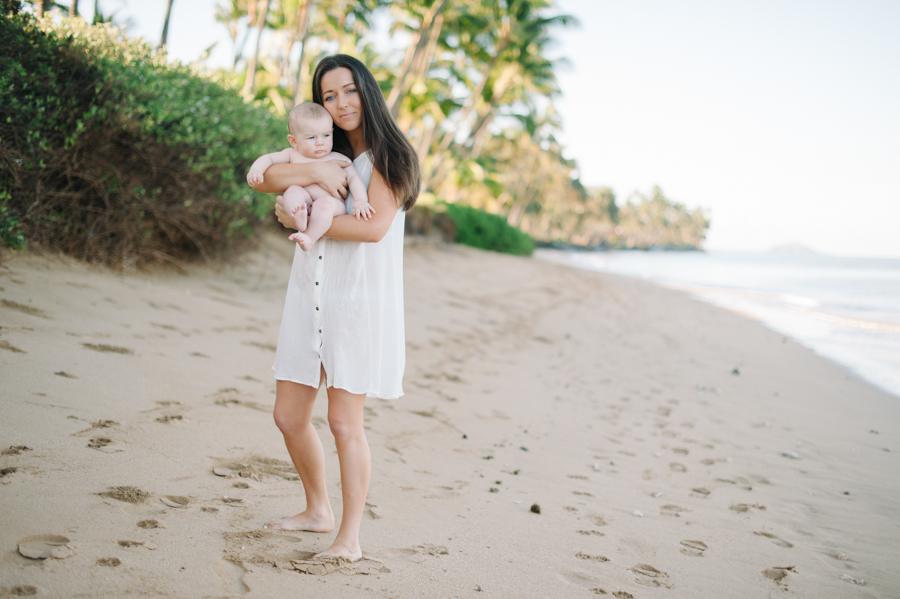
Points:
(343, 313)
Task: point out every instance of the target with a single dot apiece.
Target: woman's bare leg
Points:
(293, 415)
(345, 416)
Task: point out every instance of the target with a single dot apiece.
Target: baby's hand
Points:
(255, 176)
(363, 209)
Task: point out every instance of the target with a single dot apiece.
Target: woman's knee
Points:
(344, 427)
(287, 421)
(293, 409)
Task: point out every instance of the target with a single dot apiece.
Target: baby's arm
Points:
(361, 206)
(255, 176)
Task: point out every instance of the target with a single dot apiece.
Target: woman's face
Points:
(341, 98)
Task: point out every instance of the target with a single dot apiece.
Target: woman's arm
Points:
(329, 175)
(348, 228)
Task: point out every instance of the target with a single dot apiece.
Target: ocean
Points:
(845, 309)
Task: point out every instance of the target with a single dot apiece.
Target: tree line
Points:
(472, 83)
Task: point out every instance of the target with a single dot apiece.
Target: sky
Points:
(779, 118)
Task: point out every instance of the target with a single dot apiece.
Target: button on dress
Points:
(344, 311)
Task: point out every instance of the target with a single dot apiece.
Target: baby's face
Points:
(313, 137)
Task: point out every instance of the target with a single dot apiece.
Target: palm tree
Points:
(301, 30)
(165, 31)
(262, 8)
(420, 51)
(42, 6)
(512, 59)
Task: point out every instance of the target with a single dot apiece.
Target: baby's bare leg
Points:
(323, 212)
(296, 202)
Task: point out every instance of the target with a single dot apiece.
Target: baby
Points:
(310, 136)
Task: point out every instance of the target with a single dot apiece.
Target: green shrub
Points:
(112, 154)
(481, 229)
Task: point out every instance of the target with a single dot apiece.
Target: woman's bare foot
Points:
(303, 239)
(339, 551)
(304, 521)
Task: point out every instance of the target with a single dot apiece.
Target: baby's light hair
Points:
(306, 110)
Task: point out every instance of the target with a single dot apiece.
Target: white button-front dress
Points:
(344, 311)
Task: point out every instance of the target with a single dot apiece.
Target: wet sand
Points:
(672, 449)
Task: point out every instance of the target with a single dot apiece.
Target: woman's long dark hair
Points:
(392, 154)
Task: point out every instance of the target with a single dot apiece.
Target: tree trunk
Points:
(73, 8)
(413, 53)
(249, 81)
(42, 6)
(285, 63)
(303, 27)
(165, 32)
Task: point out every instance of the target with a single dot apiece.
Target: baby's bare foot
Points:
(339, 551)
(303, 240)
(299, 215)
(304, 521)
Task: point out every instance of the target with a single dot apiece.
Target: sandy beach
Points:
(563, 434)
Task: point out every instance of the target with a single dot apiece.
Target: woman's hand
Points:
(331, 177)
(281, 214)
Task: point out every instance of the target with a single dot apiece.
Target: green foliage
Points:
(657, 221)
(11, 235)
(109, 152)
(481, 229)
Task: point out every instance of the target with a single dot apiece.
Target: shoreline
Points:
(838, 329)
(608, 402)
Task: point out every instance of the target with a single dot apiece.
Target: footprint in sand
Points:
(673, 511)
(231, 576)
(169, 418)
(676, 467)
(15, 450)
(23, 308)
(110, 562)
(110, 349)
(263, 546)
(778, 574)
(23, 590)
(593, 558)
(693, 548)
(45, 546)
(175, 501)
(127, 494)
(623, 595)
(10, 347)
(99, 442)
(777, 540)
(143, 544)
(229, 396)
(743, 507)
(367, 566)
(255, 468)
(649, 576)
(582, 580)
